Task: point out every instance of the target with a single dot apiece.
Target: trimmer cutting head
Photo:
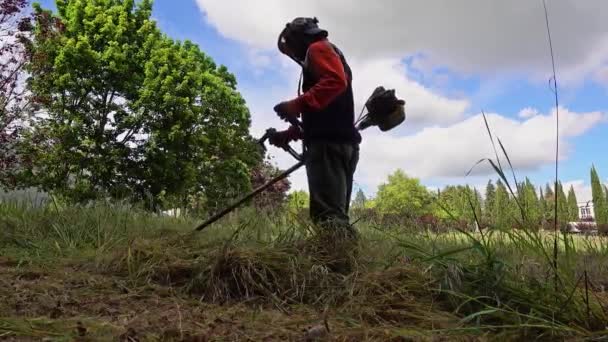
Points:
(385, 110)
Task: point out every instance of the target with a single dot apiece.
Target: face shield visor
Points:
(286, 43)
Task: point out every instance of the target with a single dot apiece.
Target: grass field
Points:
(116, 273)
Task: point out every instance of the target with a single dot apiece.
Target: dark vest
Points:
(336, 122)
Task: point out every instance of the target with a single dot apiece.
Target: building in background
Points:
(585, 211)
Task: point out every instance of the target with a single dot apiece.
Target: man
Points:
(326, 109)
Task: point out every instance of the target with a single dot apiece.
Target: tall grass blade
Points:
(485, 120)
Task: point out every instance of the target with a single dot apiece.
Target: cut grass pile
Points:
(109, 271)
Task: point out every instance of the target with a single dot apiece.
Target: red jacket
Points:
(325, 63)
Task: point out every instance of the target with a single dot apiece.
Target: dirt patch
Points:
(81, 305)
(30, 276)
(72, 299)
(8, 262)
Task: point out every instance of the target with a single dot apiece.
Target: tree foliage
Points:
(298, 200)
(549, 203)
(563, 215)
(530, 204)
(504, 209)
(542, 204)
(403, 195)
(499, 208)
(488, 207)
(130, 113)
(360, 200)
(573, 211)
(460, 203)
(599, 198)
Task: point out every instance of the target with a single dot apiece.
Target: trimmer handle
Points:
(295, 122)
(269, 133)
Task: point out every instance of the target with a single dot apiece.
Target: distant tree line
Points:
(403, 198)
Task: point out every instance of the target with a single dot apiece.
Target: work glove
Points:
(283, 138)
(287, 111)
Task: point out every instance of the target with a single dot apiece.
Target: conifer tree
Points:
(573, 214)
(599, 198)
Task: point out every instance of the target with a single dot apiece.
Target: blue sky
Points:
(445, 67)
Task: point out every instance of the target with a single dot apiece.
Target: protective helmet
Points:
(308, 26)
(300, 26)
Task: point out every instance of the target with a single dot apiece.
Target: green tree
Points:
(298, 200)
(80, 59)
(360, 200)
(474, 204)
(530, 204)
(503, 208)
(451, 203)
(458, 202)
(488, 207)
(550, 202)
(542, 205)
(131, 113)
(599, 198)
(563, 213)
(573, 211)
(370, 203)
(403, 195)
(478, 203)
(197, 124)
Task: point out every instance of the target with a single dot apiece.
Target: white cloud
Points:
(259, 60)
(449, 152)
(443, 153)
(491, 39)
(581, 189)
(425, 107)
(422, 105)
(527, 113)
(471, 36)
(262, 60)
(448, 148)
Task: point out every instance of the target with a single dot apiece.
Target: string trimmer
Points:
(384, 110)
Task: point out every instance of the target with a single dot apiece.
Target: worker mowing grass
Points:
(326, 109)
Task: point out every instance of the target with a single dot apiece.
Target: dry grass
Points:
(124, 273)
